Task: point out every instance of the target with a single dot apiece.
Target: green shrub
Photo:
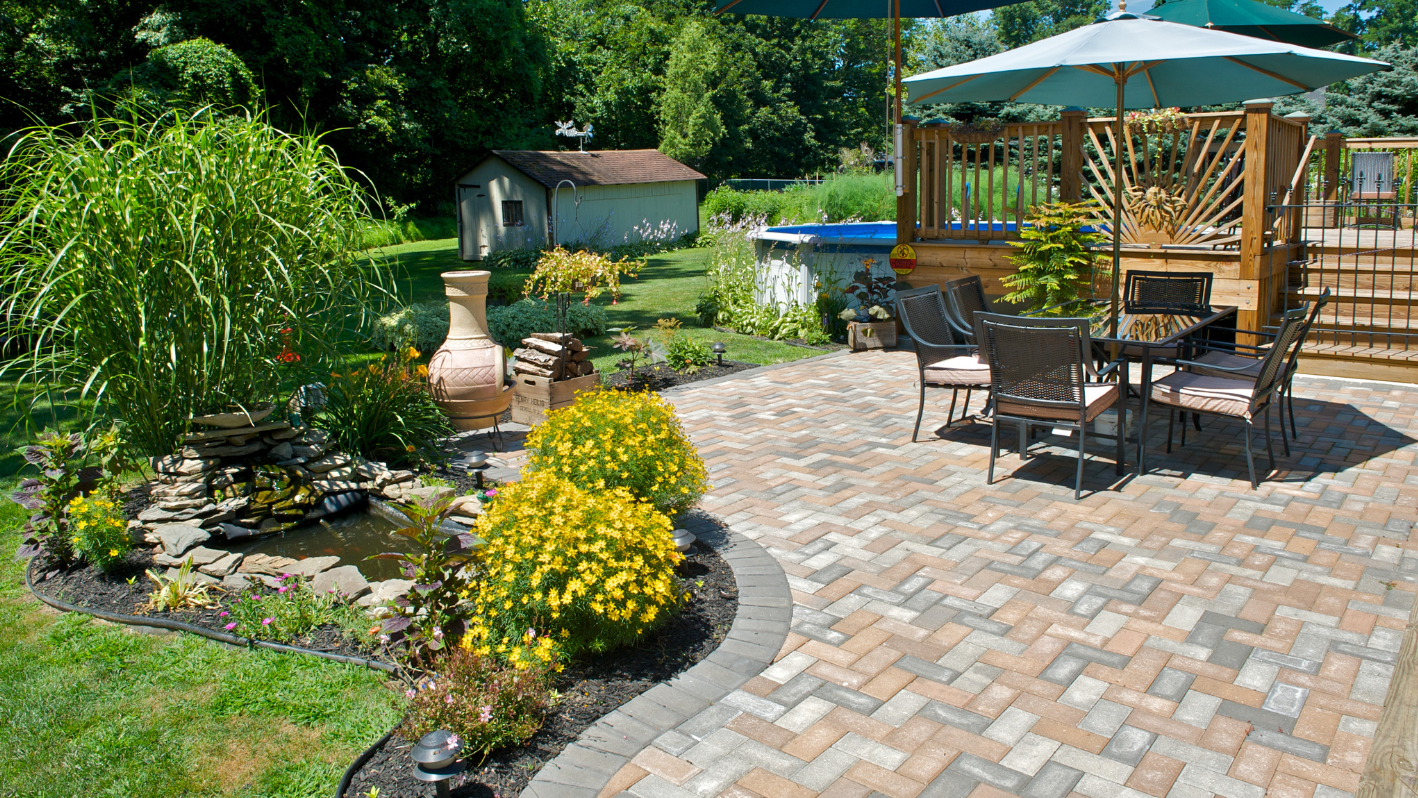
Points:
(100, 533)
(292, 612)
(383, 411)
(687, 354)
(423, 326)
(58, 459)
(840, 198)
(509, 324)
(487, 704)
(400, 230)
(513, 259)
(611, 439)
(1058, 259)
(173, 266)
(583, 570)
(730, 300)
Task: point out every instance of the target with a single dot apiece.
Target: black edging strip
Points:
(220, 637)
(360, 761)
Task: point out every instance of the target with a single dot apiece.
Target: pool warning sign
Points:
(903, 259)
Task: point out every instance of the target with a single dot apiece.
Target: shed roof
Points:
(598, 168)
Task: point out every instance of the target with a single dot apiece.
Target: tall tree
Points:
(1022, 23)
(690, 124)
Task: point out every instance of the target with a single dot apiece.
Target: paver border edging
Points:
(179, 626)
(760, 627)
(754, 372)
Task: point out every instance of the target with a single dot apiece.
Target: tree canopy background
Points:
(415, 90)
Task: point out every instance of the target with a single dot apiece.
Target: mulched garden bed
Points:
(112, 592)
(590, 688)
(661, 377)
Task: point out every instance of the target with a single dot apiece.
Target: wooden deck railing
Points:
(1196, 185)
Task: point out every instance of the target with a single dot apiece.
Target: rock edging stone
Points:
(765, 612)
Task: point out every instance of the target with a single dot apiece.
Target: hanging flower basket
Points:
(977, 131)
(1156, 123)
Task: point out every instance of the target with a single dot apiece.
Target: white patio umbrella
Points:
(1134, 61)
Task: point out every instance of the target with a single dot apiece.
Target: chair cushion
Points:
(1097, 396)
(1228, 360)
(961, 370)
(1226, 396)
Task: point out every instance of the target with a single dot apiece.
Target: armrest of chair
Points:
(1110, 367)
(931, 353)
(1259, 351)
(1210, 367)
(1261, 333)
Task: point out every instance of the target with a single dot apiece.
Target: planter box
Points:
(871, 335)
(537, 396)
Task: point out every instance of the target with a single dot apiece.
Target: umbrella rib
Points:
(727, 7)
(815, 13)
(1268, 73)
(1040, 79)
(1141, 67)
(925, 97)
(938, 9)
(1095, 70)
(1147, 73)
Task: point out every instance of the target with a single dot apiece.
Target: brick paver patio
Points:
(1178, 635)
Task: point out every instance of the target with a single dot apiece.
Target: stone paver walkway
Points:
(1179, 635)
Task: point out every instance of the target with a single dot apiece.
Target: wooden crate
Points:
(871, 335)
(536, 396)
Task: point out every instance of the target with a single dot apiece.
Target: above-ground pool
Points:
(794, 262)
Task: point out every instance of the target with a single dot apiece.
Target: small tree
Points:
(690, 124)
(1056, 261)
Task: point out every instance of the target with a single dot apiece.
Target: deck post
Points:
(1333, 146)
(1254, 218)
(908, 202)
(1071, 168)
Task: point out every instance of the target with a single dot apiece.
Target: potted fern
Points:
(1056, 261)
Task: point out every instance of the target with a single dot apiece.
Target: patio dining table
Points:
(1151, 338)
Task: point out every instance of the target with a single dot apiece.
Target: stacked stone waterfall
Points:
(261, 478)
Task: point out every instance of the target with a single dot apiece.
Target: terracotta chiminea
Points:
(466, 373)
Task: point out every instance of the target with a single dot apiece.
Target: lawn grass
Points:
(668, 286)
(95, 709)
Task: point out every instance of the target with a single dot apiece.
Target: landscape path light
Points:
(719, 349)
(436, 759)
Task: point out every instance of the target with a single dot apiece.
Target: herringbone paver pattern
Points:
(1179, 635)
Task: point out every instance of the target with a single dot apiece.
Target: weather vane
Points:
(568, 129)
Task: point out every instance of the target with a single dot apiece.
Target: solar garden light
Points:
(436, 759)
(719, 349)
(475, 462)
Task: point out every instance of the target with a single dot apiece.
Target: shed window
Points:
(512, 213)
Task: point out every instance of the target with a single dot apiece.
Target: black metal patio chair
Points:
(1182, 293)
(943, 359)
(1042, 374)
(1244, 360)
(965, 297)
(1242, 398)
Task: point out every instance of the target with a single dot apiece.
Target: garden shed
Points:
(608, 197)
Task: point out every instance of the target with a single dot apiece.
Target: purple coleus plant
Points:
(58, 458)
(432, 615)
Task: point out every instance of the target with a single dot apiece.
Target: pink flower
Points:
(409, 693)
(267, 621)
(492, 492)
(448, 699)
(485, 715)
(230, 626)
(283, 588)
(223, 614)
(453, 741)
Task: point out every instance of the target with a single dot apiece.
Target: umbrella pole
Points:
(1121, 81)
(896, 18)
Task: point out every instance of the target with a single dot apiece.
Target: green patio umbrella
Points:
(1249, 18)
(864, 9)
(1132, 61)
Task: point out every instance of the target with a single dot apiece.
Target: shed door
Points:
(476, 211)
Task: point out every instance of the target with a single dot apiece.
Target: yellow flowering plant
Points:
(621, 439)
(566, 570)
(99, 533)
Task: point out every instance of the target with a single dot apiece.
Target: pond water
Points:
(351, 537)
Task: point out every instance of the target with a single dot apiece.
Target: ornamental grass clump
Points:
(621, 439)
(567, 570)
(166, 266)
